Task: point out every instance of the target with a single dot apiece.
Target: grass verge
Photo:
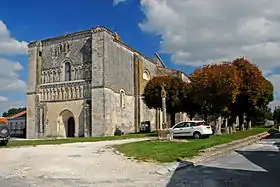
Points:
(16, 143)
(172, 151)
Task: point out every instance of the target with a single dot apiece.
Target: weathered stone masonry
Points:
(87, 83)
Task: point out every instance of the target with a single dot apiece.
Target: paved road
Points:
(92, 164)
(257, 165)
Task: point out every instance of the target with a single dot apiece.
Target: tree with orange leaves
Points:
(214, 87)
(252, 90)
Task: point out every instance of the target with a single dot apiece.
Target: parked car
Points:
(4, 131)
(196, 129)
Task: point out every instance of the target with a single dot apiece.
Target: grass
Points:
(172, 151)
(16, 143)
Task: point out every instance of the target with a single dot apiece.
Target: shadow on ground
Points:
(263, 169)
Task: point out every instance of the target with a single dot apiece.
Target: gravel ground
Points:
(75, 165)
(94, 164)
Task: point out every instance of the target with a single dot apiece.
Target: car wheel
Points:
(196, 135)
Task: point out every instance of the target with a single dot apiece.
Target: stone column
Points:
(41, 121)
(86, 120)
(163, 99)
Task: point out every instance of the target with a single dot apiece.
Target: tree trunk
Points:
(226, 126)
(218, 126)
(230, 130)
(241, 122)
(205, 117)
(172, 115)
(192, 116)
(230, 125)
(249, 125)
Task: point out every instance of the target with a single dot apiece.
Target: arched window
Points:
(122, 98)
(67, 71)
(146, 75)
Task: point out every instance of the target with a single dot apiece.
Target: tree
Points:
(174, 91)
(250, 93)
(13, 111)
(187, 103)
(276, 115)
(262, 114)
(213, 87)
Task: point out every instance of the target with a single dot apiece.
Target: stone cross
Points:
(163, 99)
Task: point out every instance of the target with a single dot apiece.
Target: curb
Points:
(220, 150)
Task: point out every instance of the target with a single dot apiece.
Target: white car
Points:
(195, 129)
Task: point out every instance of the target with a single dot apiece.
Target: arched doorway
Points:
(66, 124)
(71, 127)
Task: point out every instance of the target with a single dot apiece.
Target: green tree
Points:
(13, 111)
(276, 114)
(173, 87)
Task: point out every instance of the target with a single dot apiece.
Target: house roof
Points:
(17, 115)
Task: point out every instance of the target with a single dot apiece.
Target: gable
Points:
(157, 60)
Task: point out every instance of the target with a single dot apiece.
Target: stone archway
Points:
(67, 123)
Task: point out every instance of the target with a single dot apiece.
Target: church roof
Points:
(17, 115)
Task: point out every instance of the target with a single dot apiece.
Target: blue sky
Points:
(185, 34)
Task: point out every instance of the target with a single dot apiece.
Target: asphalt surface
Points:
(93, 164)
(257, 165)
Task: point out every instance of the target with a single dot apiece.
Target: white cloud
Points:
(274, 104)
(116, 2)
(274, 79)
(6, 104)
(9, 45)
(9, 77)
(198, 32)
(3, 99)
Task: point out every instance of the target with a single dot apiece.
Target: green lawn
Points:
(172, 151)
(15, 143)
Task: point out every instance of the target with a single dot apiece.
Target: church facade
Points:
(89, 83)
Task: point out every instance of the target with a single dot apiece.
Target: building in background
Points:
(17, 125)
(89, 83)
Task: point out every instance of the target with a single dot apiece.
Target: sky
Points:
(186, 33)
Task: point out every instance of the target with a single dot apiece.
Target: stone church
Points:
(89, 83)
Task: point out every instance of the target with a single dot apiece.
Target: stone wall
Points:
(103, 70)
(54, 125)
(75, 50)
(118, 77)
(118, 116)
(148, 71)
(118, 67)
(31, 129)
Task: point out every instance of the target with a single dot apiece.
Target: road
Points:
(257, 165)
(93, 164)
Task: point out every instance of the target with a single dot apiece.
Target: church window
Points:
(67, 71)
(64, 48)
(146, 75)
(122, 98)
